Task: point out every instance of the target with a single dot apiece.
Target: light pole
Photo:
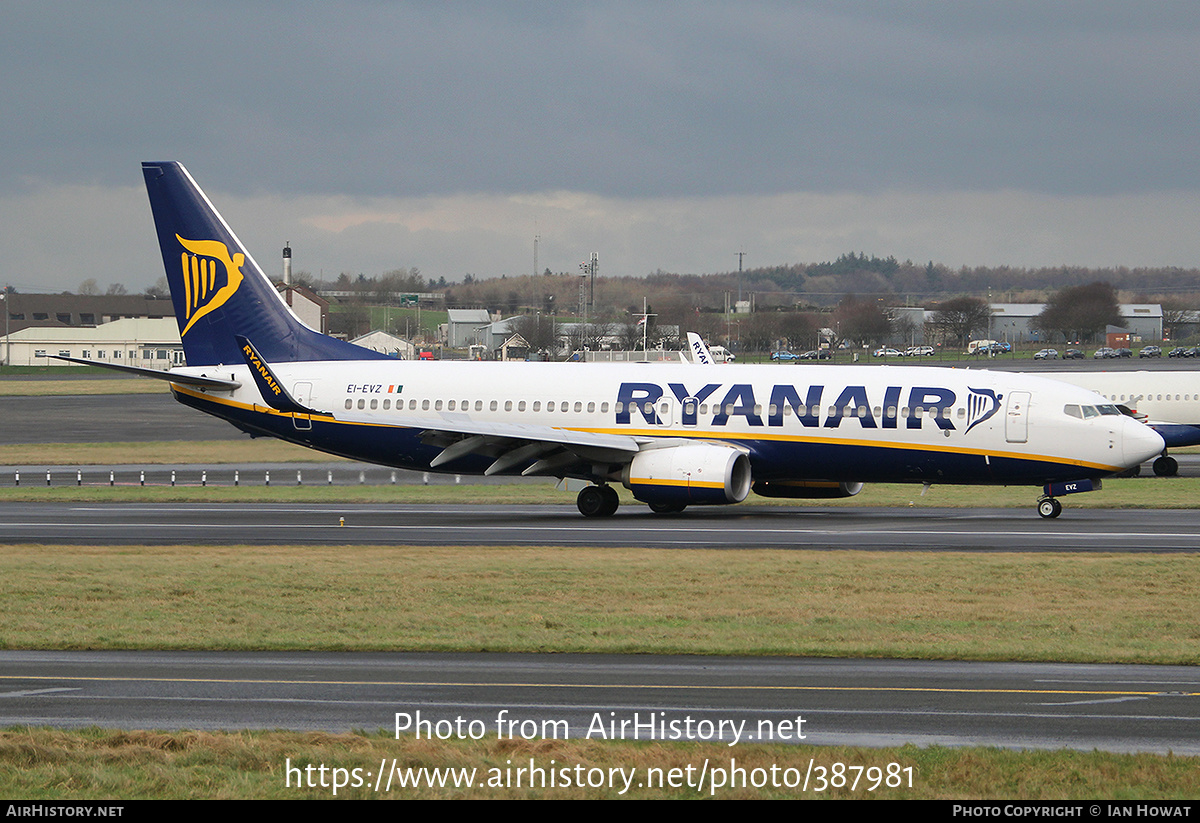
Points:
(588, 296)
(7, 338)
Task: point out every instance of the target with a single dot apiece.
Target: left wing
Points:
(545, 449)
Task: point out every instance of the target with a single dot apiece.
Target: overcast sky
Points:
(378, 135)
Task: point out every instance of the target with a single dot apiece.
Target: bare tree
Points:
(537, 330)
(159, 290)
(861, 320)
(959, 318)
(1080, 312)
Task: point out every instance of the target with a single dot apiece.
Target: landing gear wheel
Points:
(611, 500)
(593, 502)
(1049, 508)
(667, 508)
(1166, 466)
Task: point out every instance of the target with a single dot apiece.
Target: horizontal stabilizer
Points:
(158, 374)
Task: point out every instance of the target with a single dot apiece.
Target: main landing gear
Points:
(598, 501)
(1166, 466)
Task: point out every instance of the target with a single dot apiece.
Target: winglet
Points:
(270, 386)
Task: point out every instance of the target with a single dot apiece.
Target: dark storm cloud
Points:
(619, 99)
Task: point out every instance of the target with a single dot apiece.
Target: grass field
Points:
(1093, 608)
(11, 387)
(159, 452)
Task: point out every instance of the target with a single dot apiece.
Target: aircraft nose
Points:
(1140, 443)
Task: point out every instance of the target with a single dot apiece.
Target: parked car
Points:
(784, 356)
(1123, 352)
(1150, 351)
(1046, 354)
(887, 351)
(817, 354)
(1180, 351)
(1073, 354)
(919, 351)
(1104, 353)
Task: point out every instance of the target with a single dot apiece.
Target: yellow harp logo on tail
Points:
(201, 292)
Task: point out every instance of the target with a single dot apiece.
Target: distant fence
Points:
(230, 476)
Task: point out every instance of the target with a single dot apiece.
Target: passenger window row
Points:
(647, 408)
(466, 405)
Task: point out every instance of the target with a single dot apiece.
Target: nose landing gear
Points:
(1049, 508)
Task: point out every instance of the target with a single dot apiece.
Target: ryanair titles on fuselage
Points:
(739, 400)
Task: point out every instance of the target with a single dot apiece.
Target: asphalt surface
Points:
(102, 418)
(744, 527)
(843, 702)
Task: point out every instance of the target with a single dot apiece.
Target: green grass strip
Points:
(1095, 608)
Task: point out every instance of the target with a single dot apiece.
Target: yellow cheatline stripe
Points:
(625, 686)
(698, 434)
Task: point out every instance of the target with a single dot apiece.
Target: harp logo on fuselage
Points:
(981, 405)
(210, 277)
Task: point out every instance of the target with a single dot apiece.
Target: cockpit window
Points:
(1073, 411)
(1106, 409)
(1089, 412)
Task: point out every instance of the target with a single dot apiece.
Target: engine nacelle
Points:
(689, 474)
(806, 489)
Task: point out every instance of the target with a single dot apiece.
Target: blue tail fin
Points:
(219, 292)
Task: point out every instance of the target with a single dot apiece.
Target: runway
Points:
(730, 701)
(876, 529)
(104, 418)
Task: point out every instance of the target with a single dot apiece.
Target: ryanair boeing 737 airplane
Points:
(675, 435)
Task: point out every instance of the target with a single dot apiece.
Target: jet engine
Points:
(688, 474)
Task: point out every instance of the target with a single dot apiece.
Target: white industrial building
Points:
(388, 344)
(151, 343)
